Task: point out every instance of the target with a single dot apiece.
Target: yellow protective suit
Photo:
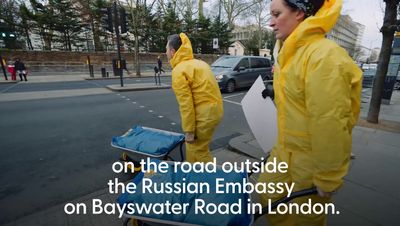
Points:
(199, 99)
(317, 94)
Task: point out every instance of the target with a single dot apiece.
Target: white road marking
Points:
(234, 95)
(142, 106)
(8, 88)
(160, 116)
(133, 102)
(173, 123)
(150, 111)
(233, 102)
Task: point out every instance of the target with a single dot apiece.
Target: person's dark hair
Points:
(174, 41)
(316, 5)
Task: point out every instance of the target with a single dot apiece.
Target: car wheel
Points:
(230, 86)
(396, 85)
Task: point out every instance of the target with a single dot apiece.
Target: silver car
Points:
(234, 72)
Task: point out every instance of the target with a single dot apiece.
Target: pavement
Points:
(78, 76)
(137, 87)
(369, 196)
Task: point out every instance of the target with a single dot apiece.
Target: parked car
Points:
(369, 66)
(397, 83)
(234, 72)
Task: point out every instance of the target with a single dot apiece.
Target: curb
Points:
(384, 125)
(126, 77)
(8, 81)
(241, 144)
(137, 87)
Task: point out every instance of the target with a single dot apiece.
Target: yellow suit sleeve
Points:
(182, 88)
(332, 95)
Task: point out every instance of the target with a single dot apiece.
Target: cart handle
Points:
(305, 192)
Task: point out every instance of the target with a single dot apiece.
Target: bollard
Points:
(155, 73)
(91, 71)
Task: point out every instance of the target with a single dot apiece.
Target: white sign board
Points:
(215, 43)
(261, 116)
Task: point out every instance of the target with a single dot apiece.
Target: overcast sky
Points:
(367, 12)
(370, 13)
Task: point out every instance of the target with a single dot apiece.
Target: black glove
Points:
(268, 92)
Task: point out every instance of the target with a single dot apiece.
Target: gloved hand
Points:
(268, 92)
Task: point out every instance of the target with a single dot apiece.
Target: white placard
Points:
(260, 115)
(215, 43)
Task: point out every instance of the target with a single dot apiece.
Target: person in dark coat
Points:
(159, 62)
(20, 68)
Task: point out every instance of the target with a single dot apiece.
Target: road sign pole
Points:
(2, 67)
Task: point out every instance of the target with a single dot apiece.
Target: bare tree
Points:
(164, 3)
(388, 28)
(134, 11)
(260, 12)
(185, 6)
(235, 8)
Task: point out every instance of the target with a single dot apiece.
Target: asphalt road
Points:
(57, 149)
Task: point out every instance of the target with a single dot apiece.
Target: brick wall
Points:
(37, 61)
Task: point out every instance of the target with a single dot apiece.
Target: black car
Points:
(234, 72)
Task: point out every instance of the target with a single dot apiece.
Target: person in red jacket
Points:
(11, 70)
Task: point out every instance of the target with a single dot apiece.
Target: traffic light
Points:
(5, 31)
(122, 20)
(107, 20)
(7, 35)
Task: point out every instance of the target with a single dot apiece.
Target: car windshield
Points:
(226, 62)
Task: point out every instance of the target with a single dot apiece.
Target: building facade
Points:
(236, 49)
(242, 34)
(347, 34)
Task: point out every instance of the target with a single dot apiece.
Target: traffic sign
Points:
(215, 43)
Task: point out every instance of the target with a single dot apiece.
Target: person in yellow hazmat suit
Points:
(317, 89)
(198, 96)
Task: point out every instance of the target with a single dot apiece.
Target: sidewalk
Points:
(370, 195)
(68, 77)
(79, 76)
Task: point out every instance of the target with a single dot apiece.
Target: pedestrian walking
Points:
(159, 63)
(198, 96)
(317, 89)
(20, 69)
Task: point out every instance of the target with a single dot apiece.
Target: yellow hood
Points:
(184, 52)
(312, 27)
